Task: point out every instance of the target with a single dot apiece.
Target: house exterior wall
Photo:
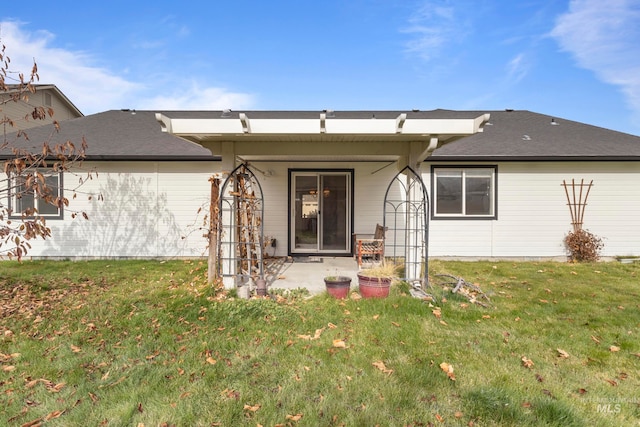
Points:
(150, 210)
(533, 216)
(370, 184)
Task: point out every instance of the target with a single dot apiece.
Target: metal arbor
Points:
(240, 234)
(406, 205)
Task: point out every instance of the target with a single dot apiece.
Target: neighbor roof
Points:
(117, 135)
(523, 136)
(40, 87)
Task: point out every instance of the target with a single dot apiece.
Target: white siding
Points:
(149, 210)
(369, 189)
(533, 216)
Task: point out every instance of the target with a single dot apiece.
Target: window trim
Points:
(13, 202)
(462, 216)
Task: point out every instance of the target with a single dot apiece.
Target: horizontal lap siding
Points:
(149, 210)
(533, 216)
(369, 189)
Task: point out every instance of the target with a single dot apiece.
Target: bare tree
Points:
(32, 188)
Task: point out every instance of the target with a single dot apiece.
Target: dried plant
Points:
(583, 245)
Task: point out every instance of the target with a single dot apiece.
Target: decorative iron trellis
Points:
(406, 222)
(240, 231)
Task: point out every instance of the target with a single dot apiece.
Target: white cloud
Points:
(517, 68)
(604, 37)
(431, 27)
(72, 71)
(196, 98)
(93, 89)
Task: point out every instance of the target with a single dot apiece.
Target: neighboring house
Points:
(45, 96)
(493, 179)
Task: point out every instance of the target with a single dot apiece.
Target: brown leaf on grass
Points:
(296, 417)
(252, 408)
(55, 388)
(376, 316)
(211, 360)
(562, 354)
(439, 418)
(595, 340)
(8, 368)
(93, 397)
(331, 325)
(526, 362)
(381, 366)
(540, 378)
(612, 382)
(396, 324)
(614, 348)
(448, 369)
(338, 343)
(35, 423)
(75, 349)
(437, 312)
(52, 415)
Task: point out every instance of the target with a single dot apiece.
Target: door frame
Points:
(291, 250)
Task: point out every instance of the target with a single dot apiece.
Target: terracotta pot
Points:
(338, 287)
(374, 287)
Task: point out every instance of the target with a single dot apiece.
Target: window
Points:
(464, 192)
(24, 197)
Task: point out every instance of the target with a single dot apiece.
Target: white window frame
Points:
(15, 203)
(464, 171)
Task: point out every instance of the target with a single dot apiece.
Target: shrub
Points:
(583, 245)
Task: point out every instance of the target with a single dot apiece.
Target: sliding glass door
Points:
(320, 212)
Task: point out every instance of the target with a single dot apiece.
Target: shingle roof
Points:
(524, 135)
(118, 135)
(509, 136)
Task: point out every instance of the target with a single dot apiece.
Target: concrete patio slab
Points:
(308, 272)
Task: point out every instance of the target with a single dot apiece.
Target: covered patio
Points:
(311, 180)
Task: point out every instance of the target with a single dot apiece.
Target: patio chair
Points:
(370, 245)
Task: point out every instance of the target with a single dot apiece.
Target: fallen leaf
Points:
(211, 360)
(296, 417)
(381, 366)
(52, 415)
(55, 388)
(252, 408)
(331, 325)
(612, 382)
(437, 312)
(376, 316)
(396, 324)
(596, 340)
(8, 368)
(75, 349)
(448, 369)
(614, 348)
(562, 354)
(439, 418)
(526, 362)
(338, 343)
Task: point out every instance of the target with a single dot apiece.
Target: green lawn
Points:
(146, 343)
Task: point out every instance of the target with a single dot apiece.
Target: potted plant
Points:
(338, 286)
(375, 282)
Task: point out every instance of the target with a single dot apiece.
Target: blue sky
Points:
(577, 59)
